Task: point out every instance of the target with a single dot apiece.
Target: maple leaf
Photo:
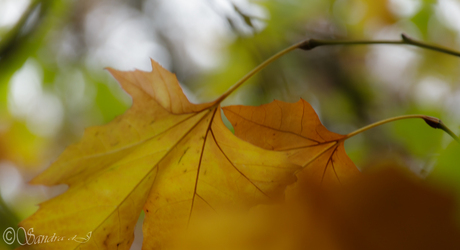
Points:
(387, 209)
(363, 213)
(296, 129)
(173, 159)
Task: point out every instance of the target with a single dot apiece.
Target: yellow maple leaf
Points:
(173, 159)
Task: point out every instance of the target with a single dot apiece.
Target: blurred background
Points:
(53, 83)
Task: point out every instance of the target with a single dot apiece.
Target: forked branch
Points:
(310, 44)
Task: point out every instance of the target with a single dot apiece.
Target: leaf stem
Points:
(431, 121)
(447, 130)
(257, 69)
(310, 44)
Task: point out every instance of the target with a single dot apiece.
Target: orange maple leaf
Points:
(296, 129)
(385, 209)
(364, 213)
(173, 159)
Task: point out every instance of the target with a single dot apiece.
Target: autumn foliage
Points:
(296, 129)
(387, 209)
(179, 164)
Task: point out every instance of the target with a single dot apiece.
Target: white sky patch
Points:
(453, 104)
(11, 11)
(200, 28)
(405, 8)
(392, 64)
(395, 66)
(196, 25)
(18, 194)
(431, 91)
(25, 88)
(119, 38)
(10, 181)
(125, 39)
(448, 12)
(48, 115)
(27, 100)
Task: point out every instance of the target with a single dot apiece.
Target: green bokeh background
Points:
(210, 45)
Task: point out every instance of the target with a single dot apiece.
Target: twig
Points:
(405, 40)
(310, 44)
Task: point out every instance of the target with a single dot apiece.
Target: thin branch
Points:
(310, 44)
(405, 40)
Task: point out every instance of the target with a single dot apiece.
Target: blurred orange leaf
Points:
(387, 209)
(383, 210)
(173, 159)
(296, 129)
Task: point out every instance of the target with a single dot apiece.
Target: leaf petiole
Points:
(310, 44)
(431, 121)
(257, 69)
(447, 130)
